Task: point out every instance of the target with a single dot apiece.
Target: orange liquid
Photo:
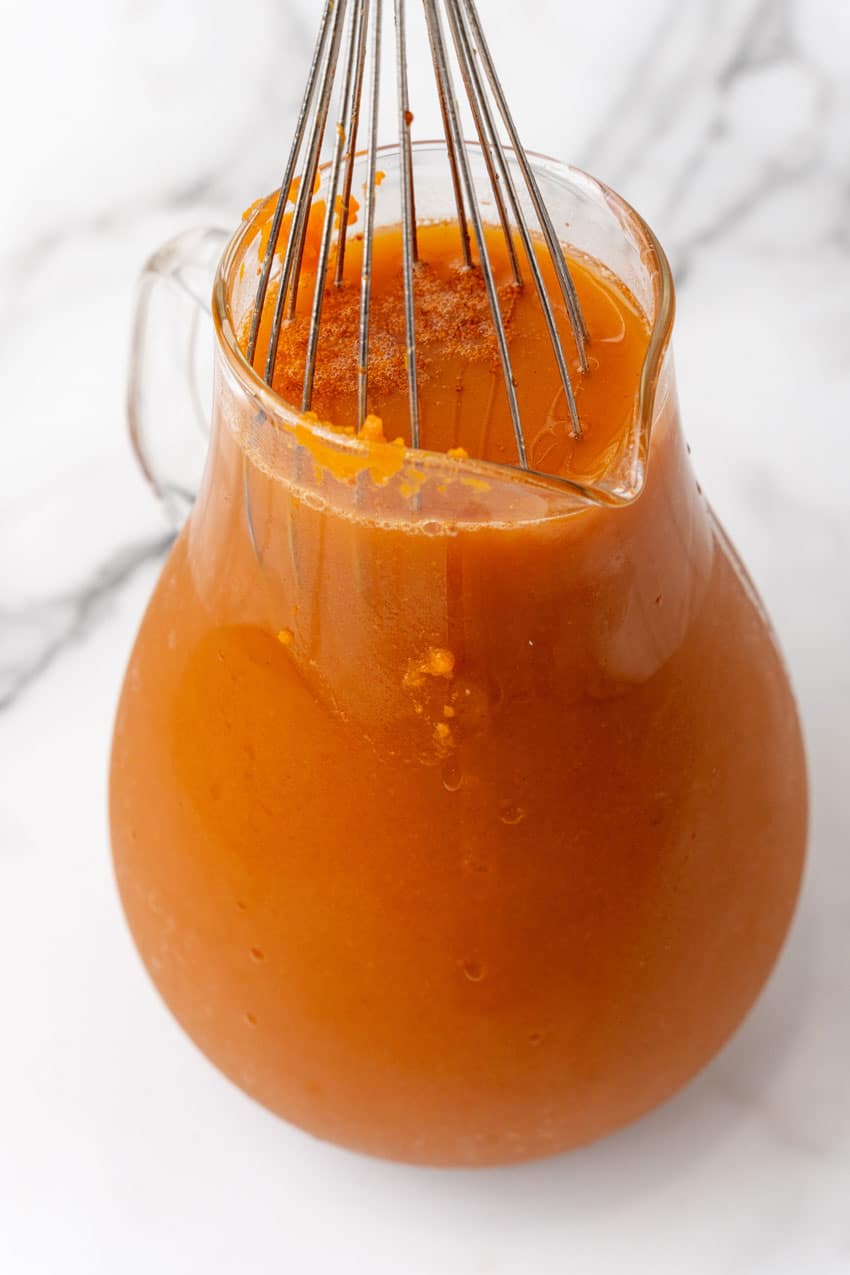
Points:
(465, 843)
(462, 398)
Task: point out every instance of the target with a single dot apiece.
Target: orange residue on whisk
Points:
(353, 209)
(315, 222)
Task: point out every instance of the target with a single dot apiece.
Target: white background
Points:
(727, 123)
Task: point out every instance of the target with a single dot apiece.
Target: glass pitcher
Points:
(458, 813)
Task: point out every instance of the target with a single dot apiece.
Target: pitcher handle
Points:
(170, 377)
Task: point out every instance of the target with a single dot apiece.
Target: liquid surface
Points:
(462, 395)
(461, 847)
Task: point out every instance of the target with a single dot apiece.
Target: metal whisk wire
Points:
(478, 74)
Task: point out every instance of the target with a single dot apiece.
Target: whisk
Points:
(349, 31)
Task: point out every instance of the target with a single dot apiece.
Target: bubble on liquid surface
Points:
(473, 970)
(257, 954)
(510, 813)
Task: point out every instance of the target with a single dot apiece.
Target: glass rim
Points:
(294, 421)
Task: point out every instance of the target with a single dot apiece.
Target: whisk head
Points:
(350, 36)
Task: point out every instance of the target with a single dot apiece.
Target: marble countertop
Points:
(727, 123)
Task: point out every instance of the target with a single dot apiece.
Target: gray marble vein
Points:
(34, 635)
